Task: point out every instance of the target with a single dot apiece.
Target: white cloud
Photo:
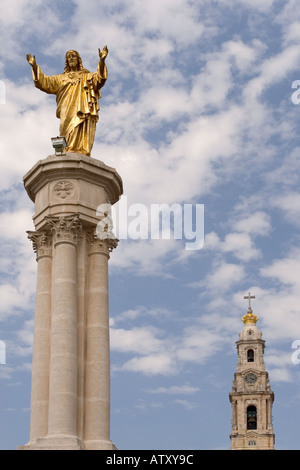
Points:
(279, 365)
(197, 345)
(222, 277)
(137, 340)
(280, 375)
(292, 32)
(186, 404)
(289, 18)
(285, 175)
(12, 225)
(285, 270)
(277, 309)
(157, 352)
(237, 243)
(183, 19)
(175, 390)
(257, 223)
(240, 242)
(25, 338)
(24, 20)
(152, 365)
(12, 300)
(241, 245)
(148, 257)
(142, 405)
(6, 372)
(142, 311)
(290, 205)
(272, 70)
(244, 55)
(18, 267)
(31, 114)
(260, 5)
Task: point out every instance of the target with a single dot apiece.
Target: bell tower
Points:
(251, 396)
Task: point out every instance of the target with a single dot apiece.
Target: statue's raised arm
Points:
(102, 71)
(77, 93)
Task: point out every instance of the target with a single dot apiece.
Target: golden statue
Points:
(77, 93)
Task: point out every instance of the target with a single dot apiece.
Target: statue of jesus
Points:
(77, 93)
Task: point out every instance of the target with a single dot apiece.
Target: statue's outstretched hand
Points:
(103, 53)
(31, 60)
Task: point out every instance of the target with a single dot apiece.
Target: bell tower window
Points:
(251, 417)
(250, 355)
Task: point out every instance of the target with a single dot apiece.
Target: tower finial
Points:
(250, 317)
(249, 297)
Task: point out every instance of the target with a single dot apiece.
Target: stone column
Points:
(70, 387)
(63, 360)
(234, 420)
(81, 324)
(42, 244)
(97, 379)
(269, 413)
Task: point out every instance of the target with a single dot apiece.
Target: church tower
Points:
(251, 397)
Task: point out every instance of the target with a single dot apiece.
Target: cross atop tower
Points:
(249, 317)
(249, 297)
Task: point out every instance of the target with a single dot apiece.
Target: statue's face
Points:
(72, 59)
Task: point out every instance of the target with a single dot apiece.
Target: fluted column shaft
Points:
(63, 361)
(97, 383)
(41, 347)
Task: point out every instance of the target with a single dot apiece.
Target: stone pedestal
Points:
(70, 396)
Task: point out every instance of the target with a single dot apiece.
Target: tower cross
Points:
(249, 297)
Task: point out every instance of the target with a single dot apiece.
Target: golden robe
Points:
(77, 94)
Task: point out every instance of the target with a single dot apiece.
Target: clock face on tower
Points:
(251, 378)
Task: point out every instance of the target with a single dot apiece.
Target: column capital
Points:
(104, 245)
(41, 243)
(65, 229)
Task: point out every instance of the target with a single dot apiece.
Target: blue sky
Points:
(197, 109)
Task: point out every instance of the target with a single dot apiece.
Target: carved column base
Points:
(54, 443)
(99, 445)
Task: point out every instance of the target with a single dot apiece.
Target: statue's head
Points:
(73, 61)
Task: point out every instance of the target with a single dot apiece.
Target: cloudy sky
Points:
(199, 109)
